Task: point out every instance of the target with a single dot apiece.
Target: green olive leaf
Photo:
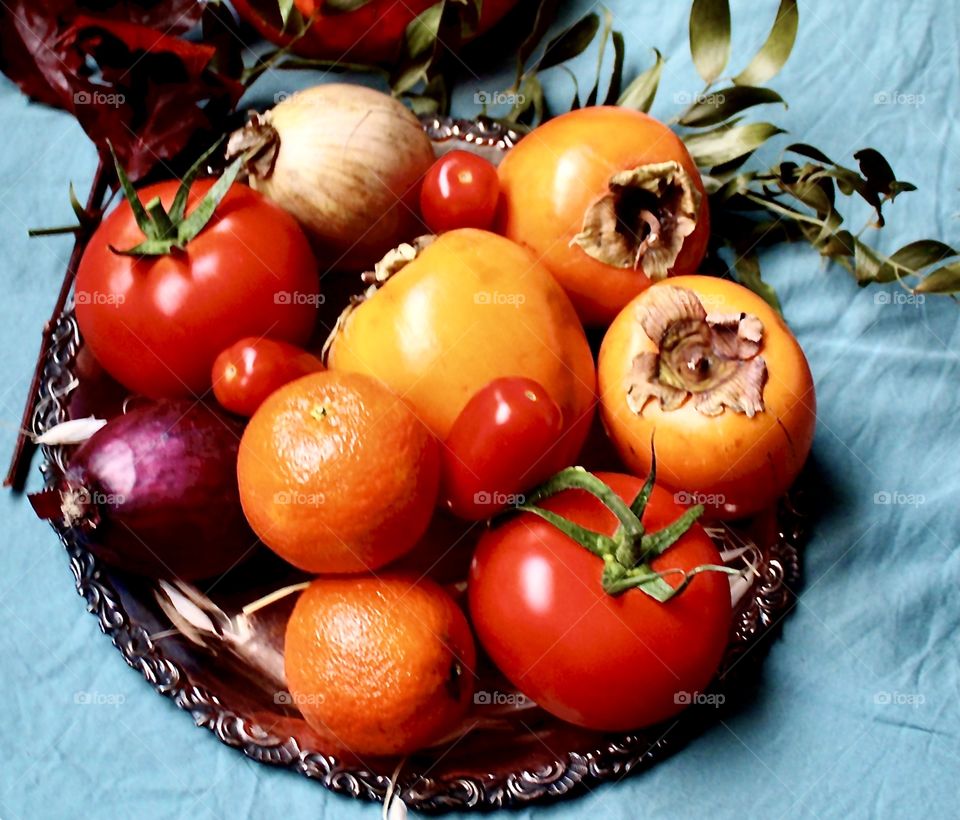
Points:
(616, 76)
(335, 6)
(546, 14)
(875, 169)
(718, 106)
(836, 245)
(808, 151)
(421, 33)
(640, 94)
(575, 102)
(710, 37)
(601, 51)
(942, 280)
(570, 42)
(867, 263)
(725, 143)
(338, 66)
(285, 7)
(530, 105)
(814, 193)
(410, 74)
(747, 268)
(921, 254)
(469, 14)
(775, 51)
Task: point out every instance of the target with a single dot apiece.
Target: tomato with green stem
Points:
(179, 271)
(251, 369)
(461, 190)
(619, 596)
(505, 440)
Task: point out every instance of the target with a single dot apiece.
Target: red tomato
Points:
(156, 323)
(459, 191)
(599, 661)
(501, 443)
(251, 369)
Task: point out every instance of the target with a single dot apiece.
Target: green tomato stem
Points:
(626, 555)
(165, 232)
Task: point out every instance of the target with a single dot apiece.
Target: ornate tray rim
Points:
(772, 598)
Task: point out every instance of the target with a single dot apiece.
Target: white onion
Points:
(346, 161)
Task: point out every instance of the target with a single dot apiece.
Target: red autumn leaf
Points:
(143, 89)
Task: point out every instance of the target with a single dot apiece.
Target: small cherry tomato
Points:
(459, 191)
(247, 372)
(506, 439)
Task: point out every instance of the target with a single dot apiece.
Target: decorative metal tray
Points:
(508, 759)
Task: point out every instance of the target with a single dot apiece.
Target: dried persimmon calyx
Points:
(641, 221)
(714, 358)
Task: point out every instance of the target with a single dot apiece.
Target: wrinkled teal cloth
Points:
(857, 711)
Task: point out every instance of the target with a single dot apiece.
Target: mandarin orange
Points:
(379, 666)
(337, 474)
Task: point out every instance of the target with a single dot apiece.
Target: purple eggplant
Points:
(155, 492)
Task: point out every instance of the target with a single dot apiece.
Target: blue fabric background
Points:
(857, 714)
